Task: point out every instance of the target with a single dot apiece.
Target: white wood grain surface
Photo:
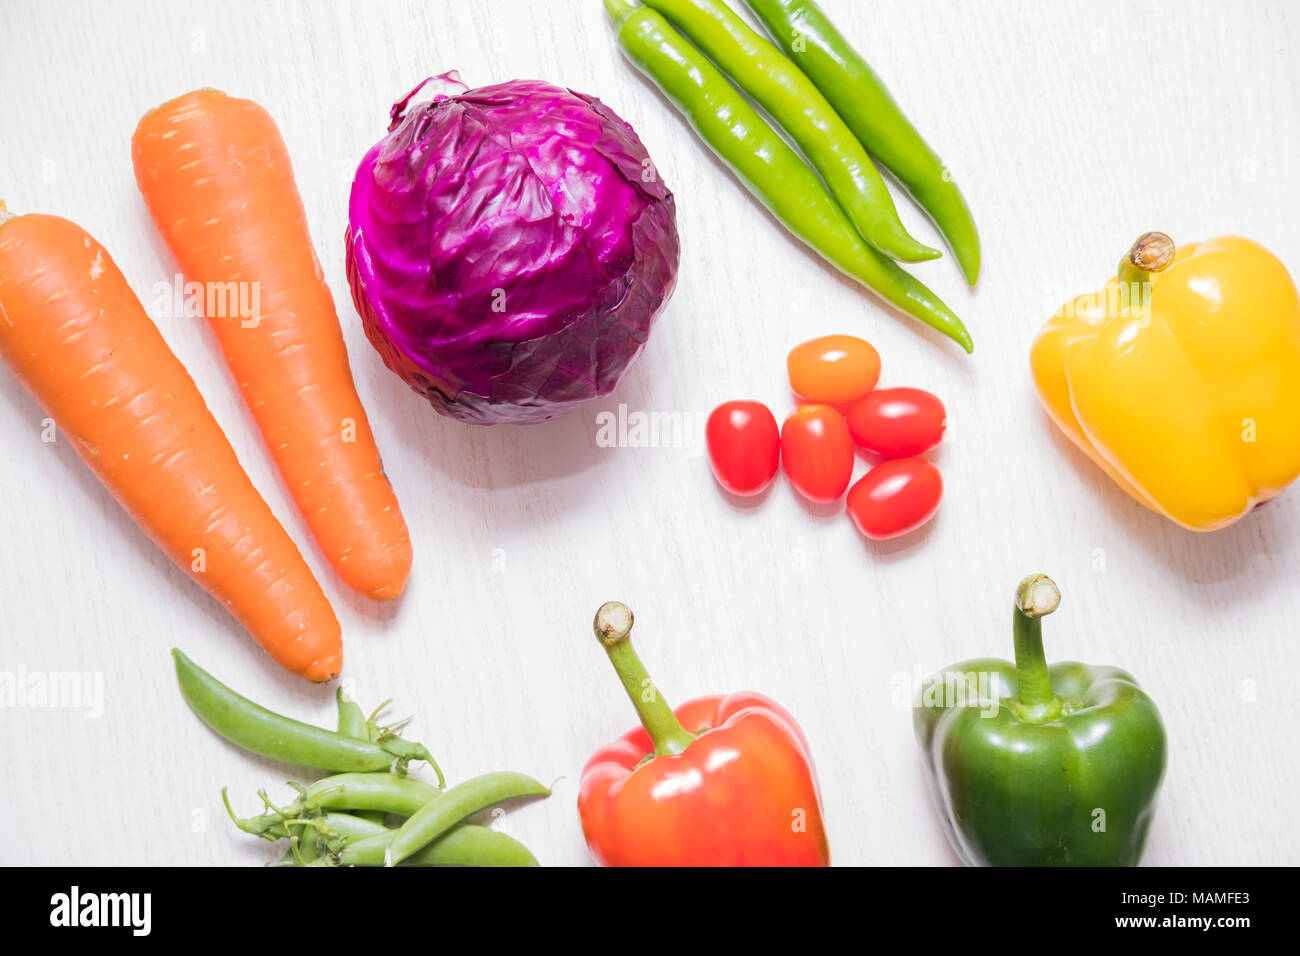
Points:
(1072, 127)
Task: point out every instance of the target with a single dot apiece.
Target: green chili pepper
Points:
(790, 98)
(861, 99)
(1033, 765)
(768, 167)
(273, 735)
(455, 804)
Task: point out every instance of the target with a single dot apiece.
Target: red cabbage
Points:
(508, 249)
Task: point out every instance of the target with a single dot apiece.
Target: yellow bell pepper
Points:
(1181, 378)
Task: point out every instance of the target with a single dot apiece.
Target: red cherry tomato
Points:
(897, 422)
(833, 370)
(895, 497)
(744, 446)
(817, 450)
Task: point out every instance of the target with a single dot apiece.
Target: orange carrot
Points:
(75, 335)
(216, 178)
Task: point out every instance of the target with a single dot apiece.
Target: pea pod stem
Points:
(277, 737)
(865, 104)
(1036, 597)
(767, 166)
(268, 826)
(373, 719)
(613, 627)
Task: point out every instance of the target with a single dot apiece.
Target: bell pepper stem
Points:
(613, 626)
(1151, 253)
(1036, 597)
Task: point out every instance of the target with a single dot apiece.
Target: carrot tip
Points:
(325, 669)
(387, 592)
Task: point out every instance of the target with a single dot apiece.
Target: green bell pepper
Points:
(1031, 765)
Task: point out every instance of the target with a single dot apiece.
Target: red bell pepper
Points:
(738, 789)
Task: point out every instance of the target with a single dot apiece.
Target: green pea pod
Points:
(462, 845)
(273, 735)
(386, 792)
(768, 167)
(350, 827)
(439, 815)
(332, 832)
(307, 845)
(861, 99)
(353, 723)
(790, 98)
(361, 794)
(470, 845)
(352, 719)
(358, 793)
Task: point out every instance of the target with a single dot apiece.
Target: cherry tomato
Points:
(895, 497)
(817, 450)
(744, 446)
(897, 422)
(833, 370)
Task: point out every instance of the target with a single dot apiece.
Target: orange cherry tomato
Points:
(895, 497)
(817, 451)
(833, 370)
(897, 422)
(744, 446)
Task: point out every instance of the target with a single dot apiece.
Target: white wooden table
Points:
(1072, 127)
